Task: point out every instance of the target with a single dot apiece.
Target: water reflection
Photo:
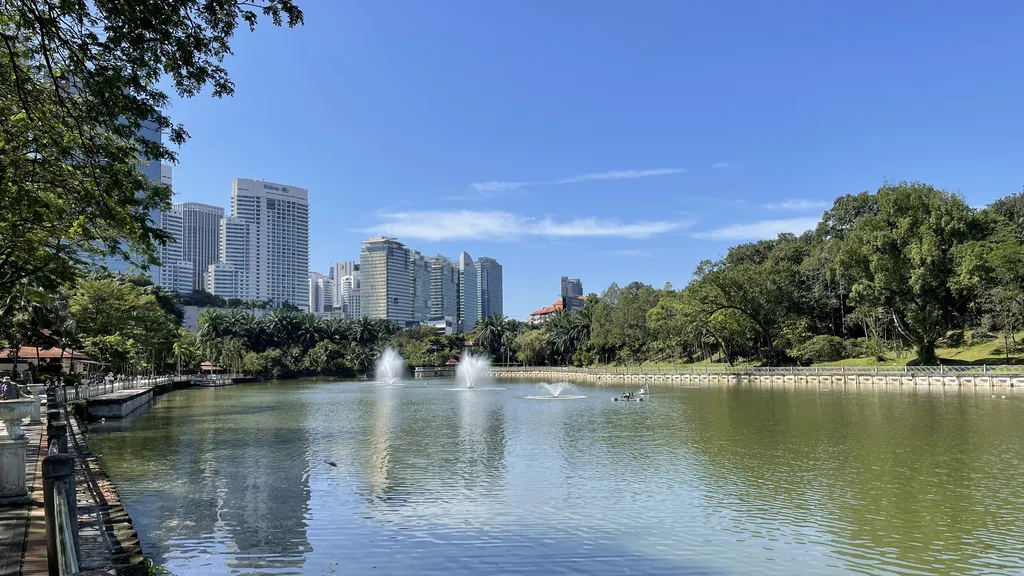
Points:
(349, 478)
(195, 468)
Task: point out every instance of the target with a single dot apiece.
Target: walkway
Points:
(22, 525)
(109, 543)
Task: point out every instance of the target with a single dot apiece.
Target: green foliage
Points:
(820, 349)
(79, 94)
(124, 326)
(533, 347)
(882, 273)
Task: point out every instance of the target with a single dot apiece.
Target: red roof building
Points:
(545, 313)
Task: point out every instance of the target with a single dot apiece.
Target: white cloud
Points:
(761, 230)
(496, 186)
(436, 225)
(634, 253)
(723, 165)
(797, 205)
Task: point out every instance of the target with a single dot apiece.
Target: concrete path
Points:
(23, 525)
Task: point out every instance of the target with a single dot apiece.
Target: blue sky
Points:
(610, 141)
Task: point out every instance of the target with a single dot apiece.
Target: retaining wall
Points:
(794, 380)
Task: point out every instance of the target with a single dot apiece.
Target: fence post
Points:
(59, 430)
(942, 369)
(59, 473)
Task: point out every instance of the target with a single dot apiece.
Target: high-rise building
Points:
(444, 288)
(200, 225)
(238, 251)
(153, 170)
(386, 280)
(419, 276)
(338, 271)
(572, 293)
(279, 216)
(223, 280)
(351, 296)
(571, 287)
(174, 273)
(469, 308)
(321, 293)
(489, 290)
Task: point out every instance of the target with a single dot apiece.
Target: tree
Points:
(532, 347)
(903, 259)
(114, 307)
(80, 97)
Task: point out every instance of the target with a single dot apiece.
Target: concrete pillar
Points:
(35, 417)
(12, 468)
(59, 482)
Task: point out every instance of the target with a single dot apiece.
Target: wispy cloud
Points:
(497, 225)
(634, 253)
(495, 186)
(723, 165)
(761, 230)
(797, 205)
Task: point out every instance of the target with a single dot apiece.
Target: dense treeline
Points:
(898, 272)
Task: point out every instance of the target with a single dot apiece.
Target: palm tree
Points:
(489, 333)
(364, 331)
(310, 331)
(184, 349)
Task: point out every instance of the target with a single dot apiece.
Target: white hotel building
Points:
(264, 244)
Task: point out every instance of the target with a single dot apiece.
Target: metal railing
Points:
(73, 392)
(781, 370)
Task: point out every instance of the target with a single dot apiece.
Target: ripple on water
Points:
(702, 481)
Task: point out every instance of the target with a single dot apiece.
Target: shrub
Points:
(952, 339)
(820, 349)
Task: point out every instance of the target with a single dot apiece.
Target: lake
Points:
(353, 478)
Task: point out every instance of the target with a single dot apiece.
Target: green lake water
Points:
(427, 480)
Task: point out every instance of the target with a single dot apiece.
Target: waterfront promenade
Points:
(108, 543)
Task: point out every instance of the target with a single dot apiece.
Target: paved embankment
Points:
(108, 539)
(798, 378)
(109, 544)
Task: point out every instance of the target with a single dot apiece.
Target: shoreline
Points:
(829, 379)
(109, 541)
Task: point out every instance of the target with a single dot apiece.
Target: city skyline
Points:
(572, 155)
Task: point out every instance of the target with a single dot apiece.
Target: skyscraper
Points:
(235, 273)
(173, 273)
(351, 295)
(386, 280)
(419, 275)
(200, 224)
(469, 308)
(489, 290)
(572, 293)
(338, 271)
(279, 216)
(444, 288)
(321, 293)
(571, 287)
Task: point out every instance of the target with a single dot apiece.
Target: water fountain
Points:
(555, 392)
(390, 366)
(472, 371)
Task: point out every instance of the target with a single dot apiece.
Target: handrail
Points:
(60, 505)
(67, 556)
